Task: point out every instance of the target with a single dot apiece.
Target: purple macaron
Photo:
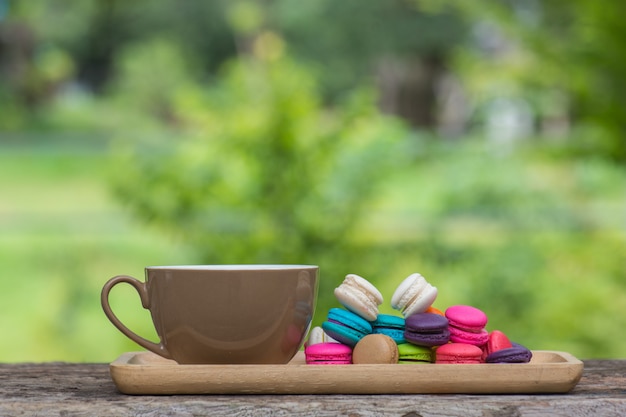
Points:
(515, 354)
(426, 329)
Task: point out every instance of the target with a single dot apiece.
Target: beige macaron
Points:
(375, 349)
(359, 296)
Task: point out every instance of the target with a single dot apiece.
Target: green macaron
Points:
(409, 353)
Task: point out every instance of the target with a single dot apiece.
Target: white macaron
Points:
(413, 295)
(318, 335)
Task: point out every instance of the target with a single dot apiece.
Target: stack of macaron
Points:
(359, 334)
(390, 325)
(346, 327)
(470, 342)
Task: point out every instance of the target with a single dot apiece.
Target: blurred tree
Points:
(393, 43)
(29, 73)
(583, 51)
(259, 170)
(93, 32)
(566, 59)
(397, 45)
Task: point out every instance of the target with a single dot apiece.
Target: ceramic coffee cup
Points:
(224, 314)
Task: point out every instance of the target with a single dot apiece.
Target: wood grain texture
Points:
(60, 389)
(147, 373)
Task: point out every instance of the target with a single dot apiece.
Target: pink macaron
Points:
(328, 354)
(458, 353)
(467, 325)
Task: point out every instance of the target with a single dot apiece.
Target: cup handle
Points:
(157, 348)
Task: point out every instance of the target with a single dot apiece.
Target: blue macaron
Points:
(389, 325)
(346, 327)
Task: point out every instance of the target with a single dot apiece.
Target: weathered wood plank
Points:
(55, 389)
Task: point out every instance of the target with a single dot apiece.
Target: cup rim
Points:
(233, 267)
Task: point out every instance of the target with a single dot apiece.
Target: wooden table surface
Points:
(68, 389)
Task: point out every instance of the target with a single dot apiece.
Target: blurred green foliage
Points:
(137, 133)
(262, 172)
(550, 278)
(564, 58)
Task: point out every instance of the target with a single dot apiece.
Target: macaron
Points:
(359, 296)
(515, 354)
(497, 341)
(317, 335)
(458, 353)
(375, 349)
(328, 354)
(409, 353)
(413, 295)
(345, 326)
(434, 310)
(467, 325)
(390, 325)
(427, 329)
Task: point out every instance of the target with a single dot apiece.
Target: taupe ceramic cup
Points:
(224, 314)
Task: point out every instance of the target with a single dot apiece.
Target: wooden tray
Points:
(147, 373)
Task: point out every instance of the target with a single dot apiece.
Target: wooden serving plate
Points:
(148, 374)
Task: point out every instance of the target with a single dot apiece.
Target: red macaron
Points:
(458, 353)
(497, 341)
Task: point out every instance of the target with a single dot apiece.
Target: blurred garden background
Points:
(480, 143)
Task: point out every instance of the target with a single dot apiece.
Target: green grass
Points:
(61, 237)
(538, 243)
